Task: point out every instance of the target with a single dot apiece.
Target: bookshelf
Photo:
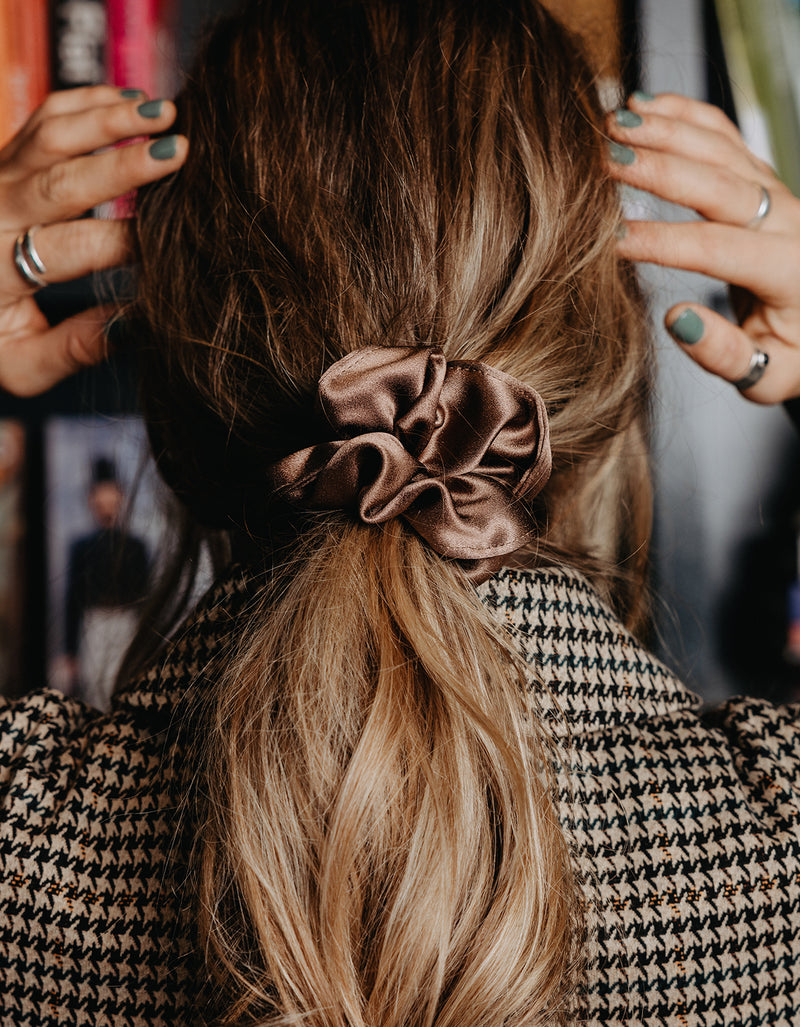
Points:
(761, 43)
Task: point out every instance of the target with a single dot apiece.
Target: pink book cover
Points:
(133, 27)
(132, 30)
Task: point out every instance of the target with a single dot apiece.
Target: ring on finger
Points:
(27, 260)
(755, 372)
(763, 208)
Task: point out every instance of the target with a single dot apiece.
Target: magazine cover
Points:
(104, 525)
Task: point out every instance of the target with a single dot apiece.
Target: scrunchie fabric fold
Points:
(451, 447)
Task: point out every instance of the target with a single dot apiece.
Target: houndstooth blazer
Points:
(684, 825)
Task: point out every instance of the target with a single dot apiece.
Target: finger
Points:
(685, 108)
(726, 350)
(71, 134)
(67, 101)
(764, 264)
(683, 139)
(70, 187)
(31, 364)
(72, 101)
(70, 250)
(716, 193)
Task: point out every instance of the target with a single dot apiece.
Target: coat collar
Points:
(592, 673)
(588, 671)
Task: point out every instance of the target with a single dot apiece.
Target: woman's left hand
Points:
(690, 153)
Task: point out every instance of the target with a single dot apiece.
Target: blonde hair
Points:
(378, 842)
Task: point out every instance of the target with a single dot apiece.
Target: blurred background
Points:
(725, 555)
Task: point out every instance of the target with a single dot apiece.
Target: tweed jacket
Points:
(684, 825)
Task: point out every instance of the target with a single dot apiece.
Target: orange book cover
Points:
(26, 63)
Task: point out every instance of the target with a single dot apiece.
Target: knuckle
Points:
(54, 185)
(49, 138)
(666, 131)
(675, 104)
(49, 105)
(719, 120)
(657, 170)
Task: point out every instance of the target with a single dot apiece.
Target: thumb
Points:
(726, 350)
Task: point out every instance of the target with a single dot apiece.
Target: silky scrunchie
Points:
(452, 448)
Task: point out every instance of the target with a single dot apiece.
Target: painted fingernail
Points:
(151, 109)
(164, 148)
(687, 328)
(621, 230)
(621, 154)
(131, 94)
(628, 119)
(642, 96)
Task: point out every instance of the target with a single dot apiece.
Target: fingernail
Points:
(131, 94)
(621, 154)
(164, 148)
(628, 119)
(688, 328)
(151, 109)
(642, 96)
(621, 230)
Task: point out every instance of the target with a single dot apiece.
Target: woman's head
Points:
(393, 173)
(378, 842)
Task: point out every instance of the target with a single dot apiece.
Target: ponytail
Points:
(379, 844)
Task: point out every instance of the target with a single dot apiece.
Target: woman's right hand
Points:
(690, 153)
(50, 173)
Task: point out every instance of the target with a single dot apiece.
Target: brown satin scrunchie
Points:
(453, 448)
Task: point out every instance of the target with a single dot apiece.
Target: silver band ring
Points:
(27, 260)
(31, 252)
(755, 372)
(763, 208)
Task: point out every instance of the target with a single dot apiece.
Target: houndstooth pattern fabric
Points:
(684, 825)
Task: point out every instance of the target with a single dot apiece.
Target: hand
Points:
(49, 175)
(690, 153)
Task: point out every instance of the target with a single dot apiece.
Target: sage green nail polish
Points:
(621, 230)
(628, 119)
(688, 328)
(642, 96)
(131, 94)
(150, 109)
(621, 154)
(164, 148)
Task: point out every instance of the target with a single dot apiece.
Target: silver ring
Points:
(763, 209)
(755, 372)
(27, 260)
(31, 252)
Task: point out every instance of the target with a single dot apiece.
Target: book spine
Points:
(130, 64)
(27, 60)
(130, 55)
(78, 43)
(168, 14)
